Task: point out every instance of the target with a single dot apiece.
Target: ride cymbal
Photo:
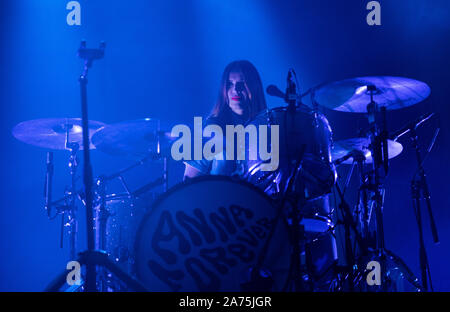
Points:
(352, 95)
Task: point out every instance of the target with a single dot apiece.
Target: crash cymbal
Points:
(133, 138)
(52, 133)
(351, 95)
(344, 147)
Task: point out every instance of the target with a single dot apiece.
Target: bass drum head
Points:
(207, 234)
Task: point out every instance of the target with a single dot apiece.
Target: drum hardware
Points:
(349, 224)
(288, 178)
(381, 94)
(88, 55)
(380, 151)
(363, 195)
(72, 220)
(376, 115)
(397, 277)
(300, 277)
(420, 190)
(356, 151)
(59, 134)
(352, 276)
(65, 134)
(91, 258)
(69, 207)
(297, 279)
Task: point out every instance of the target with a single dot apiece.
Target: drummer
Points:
(240, 99)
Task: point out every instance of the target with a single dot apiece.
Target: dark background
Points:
(164, 60)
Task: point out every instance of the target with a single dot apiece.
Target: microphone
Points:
(274, 91)
(291, 89)
(411, 126)
(48, 183)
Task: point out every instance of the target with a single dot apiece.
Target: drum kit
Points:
(263, 231)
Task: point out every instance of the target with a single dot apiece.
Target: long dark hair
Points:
(257, 101)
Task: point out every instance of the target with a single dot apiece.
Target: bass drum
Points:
(207, 235)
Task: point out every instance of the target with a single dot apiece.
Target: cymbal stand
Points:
(349, 224)
(72, 222)
(363, 195)
(66, 206)
(379, 149)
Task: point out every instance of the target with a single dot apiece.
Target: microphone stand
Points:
(298, 278)
(419, 187)
(91, 258)
(88, 55)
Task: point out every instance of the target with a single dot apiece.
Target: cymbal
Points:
(133, 138)
(52, 133)
(351, 95)
(344, 147)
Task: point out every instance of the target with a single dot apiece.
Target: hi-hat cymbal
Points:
(344, 147)
(54, 133)
(352, 95)
(133, 138)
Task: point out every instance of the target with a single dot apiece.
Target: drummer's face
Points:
(237, 93)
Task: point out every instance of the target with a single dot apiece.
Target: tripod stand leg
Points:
(100, 259)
